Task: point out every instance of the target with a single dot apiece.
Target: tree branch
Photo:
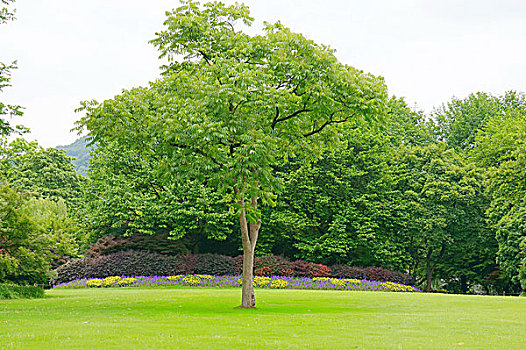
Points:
(328, 122)
(197, 151)
(296, 113)
(205, 57)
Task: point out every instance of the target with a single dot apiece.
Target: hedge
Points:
(143, 263)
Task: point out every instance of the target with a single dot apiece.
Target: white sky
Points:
(427, 50)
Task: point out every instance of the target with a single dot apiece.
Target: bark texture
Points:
(249, 236)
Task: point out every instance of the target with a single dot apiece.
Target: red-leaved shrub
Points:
(148, 263)
(371, 273)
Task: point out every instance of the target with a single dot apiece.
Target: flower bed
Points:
(275, 282)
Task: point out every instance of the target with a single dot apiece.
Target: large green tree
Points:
(501, 151)
(342, 208)
(458, 122)
(230, 104)
(446, 206)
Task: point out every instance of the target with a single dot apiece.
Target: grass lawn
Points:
(193, 318)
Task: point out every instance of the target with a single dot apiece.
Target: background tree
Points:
(501, 150)
(35, 235)
(127, 192)
(457, 121)
(234, 104)
(347, 206)
(447, 210)
(343, 208)
(48, 172)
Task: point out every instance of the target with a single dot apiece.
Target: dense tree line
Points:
(401, 193)
(349, 176)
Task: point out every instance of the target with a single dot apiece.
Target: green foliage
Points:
(11, 291)
(343, 208)
(6, 14)
(500, 150)
(34, 235)
(446, 204)
(79, 151)
(405, 126)
(47, 172)
(236, 102)
(522, 271)
(457, 122)
(127, 193)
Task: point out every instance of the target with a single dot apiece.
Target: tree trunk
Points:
(463, 284)
(248, 298)
(429, 270)
(249, 239)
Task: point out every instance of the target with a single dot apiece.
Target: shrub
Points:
(372, 274)
(214, 264)
(137, 263)
(105, 245)
(38, 233)
(184, 264)
(271, 265)
(72, 270)
(321, 270)
(344, 271)
(302, 268)
(11, 291)
(238, 264)
(121, 263)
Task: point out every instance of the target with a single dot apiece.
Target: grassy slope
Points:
(285, 319)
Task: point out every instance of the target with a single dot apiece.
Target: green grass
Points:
(187, 318)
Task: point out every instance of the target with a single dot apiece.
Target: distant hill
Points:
(80, 151)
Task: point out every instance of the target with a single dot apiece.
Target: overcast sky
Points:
(427, 50)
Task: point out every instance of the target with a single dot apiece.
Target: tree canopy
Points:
(230, 104)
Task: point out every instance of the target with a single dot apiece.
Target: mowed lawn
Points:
(188, 318)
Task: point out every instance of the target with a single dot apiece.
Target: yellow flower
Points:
(126, 281)
(261, 281)
(174, 277)
(321, 278)
(337, 282)
(96, 282)
(352, 280)
(278, 284)
(111, 280)
(191, 279)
